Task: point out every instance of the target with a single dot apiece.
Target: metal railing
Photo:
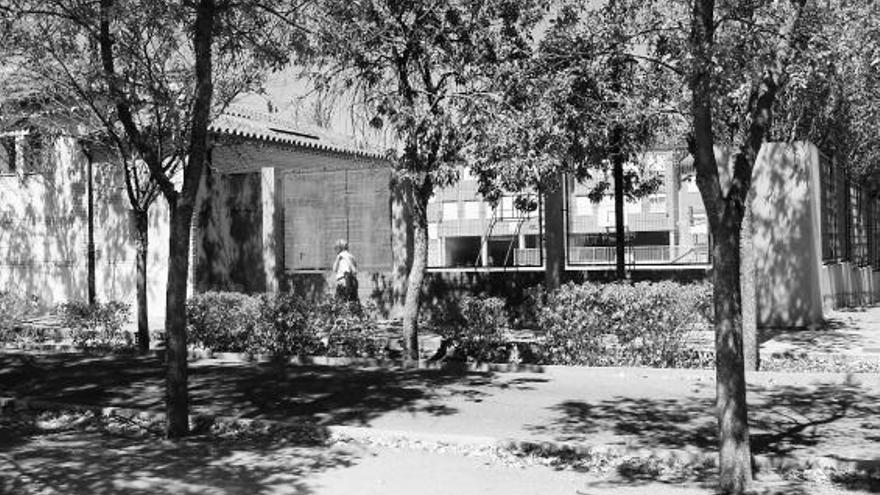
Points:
(527, 257)
(639, 255)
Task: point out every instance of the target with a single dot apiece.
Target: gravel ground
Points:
(81, 453)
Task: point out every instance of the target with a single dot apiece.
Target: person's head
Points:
(341, 245)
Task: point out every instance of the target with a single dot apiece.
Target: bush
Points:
(283, 328)
(280, 325)
(481, 338)
(643, 324)
(345, 331)
(223, 321)
(14, 309)
(98, 326)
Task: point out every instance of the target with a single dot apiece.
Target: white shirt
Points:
(345, 263)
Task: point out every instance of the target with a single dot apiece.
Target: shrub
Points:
(481, 337)
(643, 324)
(344, 330)
(281, 325)
(98, 326)
(283, 328)
(14, 309)
(223, 321)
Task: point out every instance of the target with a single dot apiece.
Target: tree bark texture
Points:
(416, 276)
(142, 245)
(181, 206)
(90, 248)
(733, 428)
(176, 392)
(619, 227)
(554, 236)
(724, 208)
(751, 356)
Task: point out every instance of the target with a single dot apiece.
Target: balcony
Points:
(527, 257)
(640, 255)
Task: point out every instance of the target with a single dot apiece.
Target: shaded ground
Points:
(798, 415)
(71, 457)
(850, 332)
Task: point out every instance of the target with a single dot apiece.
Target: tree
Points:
(738, 57)
(582, 104)
(413, 65)
(724, 67)
(69, 88)
(167, 68)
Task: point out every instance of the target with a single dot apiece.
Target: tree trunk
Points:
(619, 227)
(142, 235)
(176, 393)
(415, 279)
(90, 241)
(401, 246)
(733, 429)
(182, 206)
(752, 359)
(554, 236)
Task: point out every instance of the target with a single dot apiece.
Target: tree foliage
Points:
(584, 94)
(413, 66)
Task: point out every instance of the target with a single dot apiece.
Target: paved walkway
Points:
(853, 332)
(88, 462)
(796, 416)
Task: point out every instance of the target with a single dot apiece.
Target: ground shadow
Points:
(785, 421)
(87, 460)
(323, 395)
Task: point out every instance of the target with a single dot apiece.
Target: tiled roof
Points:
(250, 124)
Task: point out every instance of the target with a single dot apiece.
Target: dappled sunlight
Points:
(314, 394)
(94, 462)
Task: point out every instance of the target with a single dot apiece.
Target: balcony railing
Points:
(527, 257)
(640, 255)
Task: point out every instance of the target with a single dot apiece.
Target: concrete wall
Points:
(787, 231)
(43, 236)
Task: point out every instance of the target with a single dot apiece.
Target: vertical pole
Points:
(90, 226)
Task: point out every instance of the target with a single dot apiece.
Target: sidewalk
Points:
(795, 417)
(853, 332)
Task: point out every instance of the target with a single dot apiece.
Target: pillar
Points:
(270, 241)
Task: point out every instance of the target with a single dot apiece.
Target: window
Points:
(657, 203)
(632, 207)
(858, 234)
(505, 208)
(7, 154)
(450, 210)
(831, 245)
(583, 206)
(463, 251)
(472, 210)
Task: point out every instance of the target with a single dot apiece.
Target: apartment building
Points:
(665, 230)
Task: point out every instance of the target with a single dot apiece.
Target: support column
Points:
(268, 199)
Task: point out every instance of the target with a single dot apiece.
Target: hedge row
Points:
(281, 325)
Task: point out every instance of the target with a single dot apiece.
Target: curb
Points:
(764, 464)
